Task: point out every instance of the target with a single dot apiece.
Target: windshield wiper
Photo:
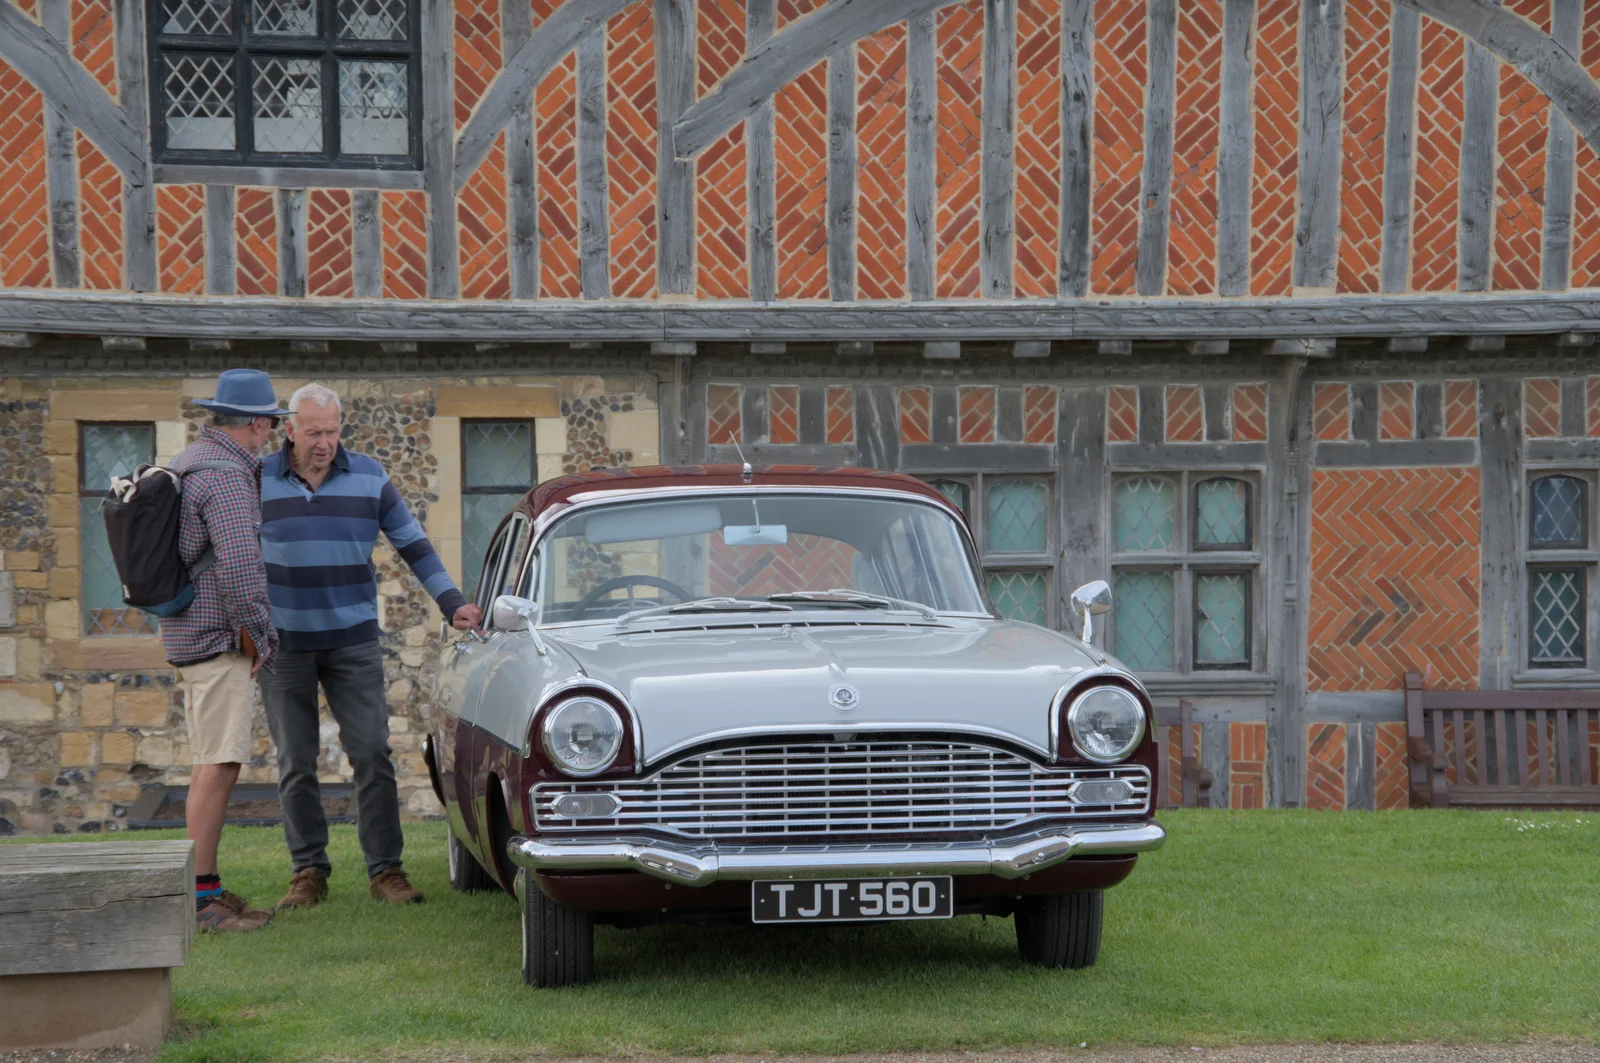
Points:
(859, 599)
(720, 604)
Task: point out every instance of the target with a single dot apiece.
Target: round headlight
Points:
(1106, 723)
(583, 736)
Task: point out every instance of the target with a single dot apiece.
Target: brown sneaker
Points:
(228, 911)
(309, 885)
(392, 885)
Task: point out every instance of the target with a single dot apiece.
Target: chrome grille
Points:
(873, 788)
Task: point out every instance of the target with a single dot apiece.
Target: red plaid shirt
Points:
(221, 508)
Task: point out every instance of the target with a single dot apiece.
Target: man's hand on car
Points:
(466, 617)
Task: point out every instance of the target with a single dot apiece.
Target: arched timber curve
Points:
(549, 44)
(1537, 56)
(783, 58)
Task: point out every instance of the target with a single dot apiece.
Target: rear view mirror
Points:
(755, 534)
(511, 613)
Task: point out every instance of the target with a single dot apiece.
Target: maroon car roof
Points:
(553, 492)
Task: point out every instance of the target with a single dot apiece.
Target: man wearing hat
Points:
(226, 636)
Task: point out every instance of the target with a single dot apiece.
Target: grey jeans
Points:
(352, 678)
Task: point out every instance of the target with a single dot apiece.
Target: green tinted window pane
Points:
(1558, 511)
(100, 589)
(957, 492)
(1144, 620)
(1017, 513)
(1145, 514)
(480, 516)
(498, 453)
(1219, 618)
(1020, 596)
(1222, 514)
(115, 450)
(1557, 606)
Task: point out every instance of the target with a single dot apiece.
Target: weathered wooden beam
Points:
(854, 348)
(675, 66)
(209, 346)
(842, 174)
(130, 344)
(1303, 347)
(1486, 343)
(221, 264)
(998, 173)
(784, 57)
(309, 346)
(1206, 348)
(292, 242)
(1566, 27)
(522, 174)
(673, 348)
(17, 340)
(768, 347)
(1500, 531)
(197, 173)
(1481, 89)
(438, 120)
(48, 64)
(922, 97)
(139, 189)
(1407, 344)
(60, 162)
(1081, 459)
(366, 251)
(1235, 153)
(398, 347)
(942, 350)
(1321, 108)
(1399, 146)
(762, 167)
(1031, 349)
(594, 210)
(1155, 210)
(1077, 111)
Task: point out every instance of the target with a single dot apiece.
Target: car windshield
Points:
(755, 551)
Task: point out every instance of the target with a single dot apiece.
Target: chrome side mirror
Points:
(511, 613)
(1090, 600)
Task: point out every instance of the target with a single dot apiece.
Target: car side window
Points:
(493, 565)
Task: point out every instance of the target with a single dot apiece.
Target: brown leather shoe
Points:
(228, 911)
(308, 887)
(392, 885)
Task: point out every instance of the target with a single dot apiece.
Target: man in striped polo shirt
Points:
(322, 508)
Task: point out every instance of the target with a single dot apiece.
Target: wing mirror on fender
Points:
(511, 613)
(1091, 600)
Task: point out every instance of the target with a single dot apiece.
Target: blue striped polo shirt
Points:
(318, 549)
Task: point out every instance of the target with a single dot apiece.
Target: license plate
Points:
(851, 899)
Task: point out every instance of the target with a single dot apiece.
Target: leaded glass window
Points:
(287, 82)
(1021, 596)
(1558, 511)
(497, 469)
(1016, 517)
(1556, 607)
(1185, 558)
(106, 451)
(1010, 518)
(1563, 560)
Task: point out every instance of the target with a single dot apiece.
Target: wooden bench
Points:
(89, 934)
(1197, 781)
(1496, 748)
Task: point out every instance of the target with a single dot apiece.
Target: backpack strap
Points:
(208, 556)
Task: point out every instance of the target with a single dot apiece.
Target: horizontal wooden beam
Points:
(189, 173)
(1297, 326)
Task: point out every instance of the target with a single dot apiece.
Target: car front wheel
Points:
(466, 874)
(1061, 931)
(557, 942)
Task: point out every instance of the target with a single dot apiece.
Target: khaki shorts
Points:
(220, 698)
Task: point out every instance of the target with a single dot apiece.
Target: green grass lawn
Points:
(1246, 927)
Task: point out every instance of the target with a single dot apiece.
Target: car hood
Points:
(688, 686)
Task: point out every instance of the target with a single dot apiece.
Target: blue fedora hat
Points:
(247, 392)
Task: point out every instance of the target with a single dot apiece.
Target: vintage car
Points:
(777, 695)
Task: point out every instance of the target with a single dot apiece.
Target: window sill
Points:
(1556, 679)
(1209, 683)
(199, 173)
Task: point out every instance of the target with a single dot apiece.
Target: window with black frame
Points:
(1010, 520)
(1185, 561)
(497, 469)
(106, 451)
(1561, 556)
(286, 82)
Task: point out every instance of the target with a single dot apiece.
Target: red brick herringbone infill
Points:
(1330, 411)
(1122, 415)
(557, 130)
(723, 414)
(255, 235)
(1519, 177)
(1121, 67)
(1192, 237)
(1397, 410)
(1441, 109)
(1040, 407)
(783, 414)
(100, 192)
(181, 238)
(1247, 765)
(1541, 408)
(1277, 147)
(916, 415)
(977, 413)
(841, 427)
(1586, 205)
(24, 212)
(721, 183)
(1173, 769)
(1394, 578)
(1325, 766)
(404, 217)
(801, 120)
(1038, 149)
(483, 228)
(1186, 420)
(1461, 409)
(1366, 100)
(1392, 768)
(631, 151)
(94, 41)
(881, 192)
(959, 159)
(1249, 412)
(330, 240)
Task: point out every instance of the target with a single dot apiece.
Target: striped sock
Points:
(205, 888)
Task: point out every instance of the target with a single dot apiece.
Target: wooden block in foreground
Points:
(91, 931)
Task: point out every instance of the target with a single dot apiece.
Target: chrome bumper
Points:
(702, 864)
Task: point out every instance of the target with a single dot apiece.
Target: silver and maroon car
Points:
(777, 695)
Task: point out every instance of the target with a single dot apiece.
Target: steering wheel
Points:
(583, 604)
